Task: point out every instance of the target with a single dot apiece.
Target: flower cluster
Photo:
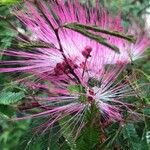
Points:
(81, 72)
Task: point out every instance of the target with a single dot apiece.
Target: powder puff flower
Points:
(68, 103)
(75, 65)
(45, 21)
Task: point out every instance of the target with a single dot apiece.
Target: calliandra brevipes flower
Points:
(68, 103)
(45, 22)
(74, 64)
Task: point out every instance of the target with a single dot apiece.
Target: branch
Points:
(59, 42)
(129, 38)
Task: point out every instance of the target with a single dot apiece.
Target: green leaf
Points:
(39, 140)
(8, 2)
(6, 111)
(89, 139)
(84, 30)
(7, 98)
(112, 139)
(131, 135)
(93, 36)
(107, 142)
(145, 136)
(90, 136)
(76, 88)
(129, 38)
(79, 89)
(35, 44)
(67, 132)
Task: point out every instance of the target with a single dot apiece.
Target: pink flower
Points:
(73, 64)
(40, 21)
(65, 99)
(133, 51)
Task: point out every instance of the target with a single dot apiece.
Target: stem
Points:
(61, 50)
(59, 42)
(84, 67)
(75, 25)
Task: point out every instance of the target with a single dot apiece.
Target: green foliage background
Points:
(17, 135)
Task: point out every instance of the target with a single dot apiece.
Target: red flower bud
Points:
(86, 52)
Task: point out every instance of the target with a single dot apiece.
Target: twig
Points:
(59, 42)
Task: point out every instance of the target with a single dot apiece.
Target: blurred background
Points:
(14, 135)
